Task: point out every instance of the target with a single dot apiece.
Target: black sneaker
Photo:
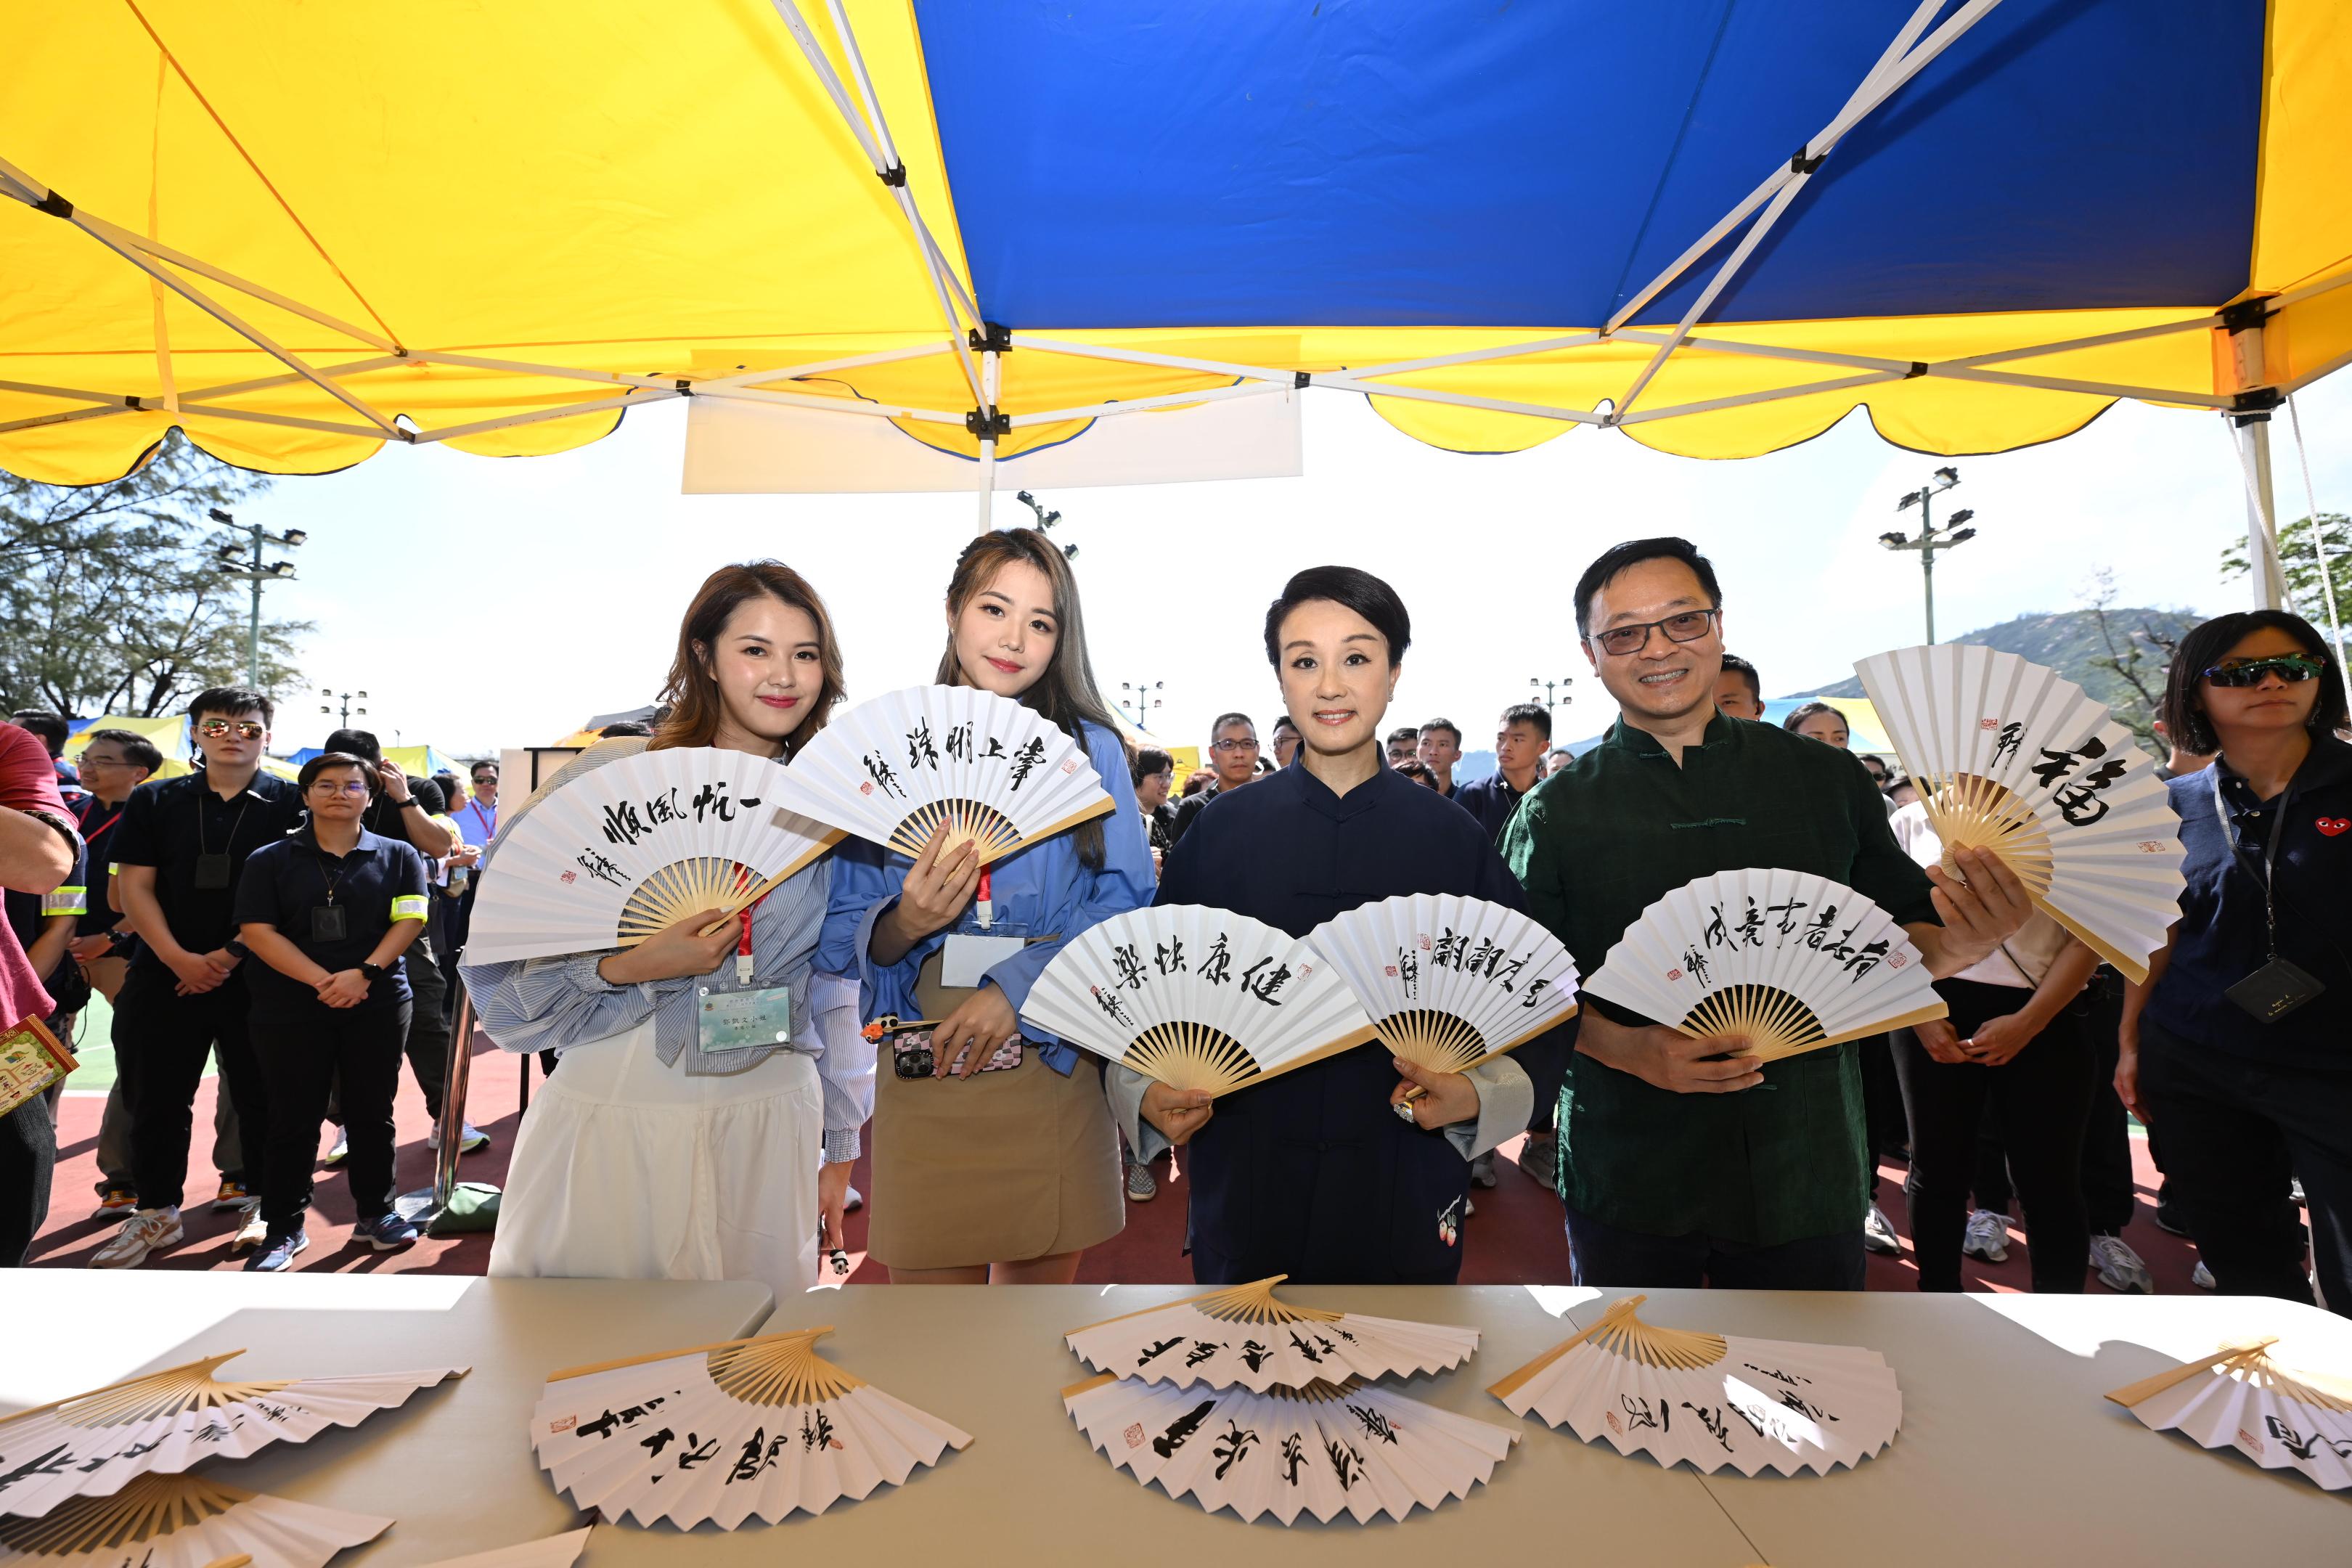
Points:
(277, 1253)
(2167, 1218)
(386, 1232)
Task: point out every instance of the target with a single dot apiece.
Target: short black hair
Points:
(137, 749)
(2183, 708)
(1612, 563)
(1740, 667)
(430, 795)
(1286, 721)
(50, 727)
(474, 768)
(1448, 725)
(1403, 733)
(356, 742)
(228, 702)
(331, 758)
(1225, 719)
(1350, 589)
(623, 729)
(1149, 760)
(1534, 715)
(1804, 710)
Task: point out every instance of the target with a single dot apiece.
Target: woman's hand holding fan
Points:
(1178, 1112)
(696, 945)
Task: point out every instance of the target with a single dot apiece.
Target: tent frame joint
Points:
(990, 337)
(990, 424)
(2246, 315)
(894, 176)
(2253, 407)
(55, 205)
(1804, 161)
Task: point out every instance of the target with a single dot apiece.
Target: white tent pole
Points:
(1460, 400)
(75, 393)
(990, 374)
(123, 402)
(851, 406)
(820, 367)
(1146, 405)
(292, 421)
(1869, 378)
(1715, 287)
(1894, 60)
(2251, 439)
(2319, 545)
(540, 416)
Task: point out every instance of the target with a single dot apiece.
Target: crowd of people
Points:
(300, 931)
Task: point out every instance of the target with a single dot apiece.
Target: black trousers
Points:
(161, 1039)
(2110, 1190)
(2042, 1098)
(1545, 1061)
(28, 1151)
(2235, 1131)
(427, 1039)
(304, 1053)
(1603, 1254)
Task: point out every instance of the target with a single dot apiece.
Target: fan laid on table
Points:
(182, 1522)
(724, 1433)
(622, 851)
(548, 1551)
(1244, 1336)
(1197, 999)
(2014, 758)
(952, 762)
(95, 1444)
(1326, 1448)
(2239, 1399)
(1718, 1401)
(1790, 961)
(1450, 982)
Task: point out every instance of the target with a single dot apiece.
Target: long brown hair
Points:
(1065, 692)
(691, 694)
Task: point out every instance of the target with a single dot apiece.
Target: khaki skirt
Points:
(997, 1168)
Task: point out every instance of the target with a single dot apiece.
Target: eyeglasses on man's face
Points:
(250, 728)
(1233, 745)
(2289, 667)
(328, 789)
(1688, 626)
(88, 761)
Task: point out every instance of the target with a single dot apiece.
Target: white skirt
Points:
(625, 1169)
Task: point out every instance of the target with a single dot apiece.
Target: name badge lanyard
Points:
(743, 943)
(982, 908)
(2269, 853)
(212, 870)
(327, 924)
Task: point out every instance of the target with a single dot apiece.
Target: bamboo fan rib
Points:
(1244, 1336)
(947, 764)
(781, 1369)
(159, 1394)
(2241, 1397)
(1197, 999)
(185, 1522)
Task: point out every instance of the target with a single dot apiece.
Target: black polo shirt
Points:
(1491, 800)
(2221, 937)
(168, 824)
(381, 881)
(98, 822)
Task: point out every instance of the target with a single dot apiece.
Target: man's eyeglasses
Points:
(251, 729)
(1688, 626)
(329, 786)
(2292, 667)
(1233, 745)
(481, 779)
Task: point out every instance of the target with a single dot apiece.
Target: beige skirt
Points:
(998, 1168)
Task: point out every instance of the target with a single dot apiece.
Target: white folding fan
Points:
(548, 1551)
(182, 1522)
(1451, 980)
(95, 1444)
(753, 1427)
(2241, 1398)
(1197, 999)
(1792, 961)
(1718, 1401)
(948, 762)
(624, 851)
(2014, 758)
(1243, 1337)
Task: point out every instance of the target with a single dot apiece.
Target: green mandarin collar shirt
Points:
(1598, 843)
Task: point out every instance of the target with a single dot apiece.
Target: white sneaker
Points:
(1878, 1234)
(341, 1148)
(2203, 1278)
(149, 1230)
(250, 1231)
(2119, 1267)
(1987, 1237)
(470, 1137)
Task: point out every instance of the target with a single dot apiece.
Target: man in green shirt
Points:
(1681, 1161)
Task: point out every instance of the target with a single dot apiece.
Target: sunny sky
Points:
(486, 604)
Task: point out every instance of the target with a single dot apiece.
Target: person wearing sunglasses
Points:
(2238, 1050)
(1673, 1169)
(179, 852)
(329, 911)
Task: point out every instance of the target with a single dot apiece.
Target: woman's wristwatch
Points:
(374, 972)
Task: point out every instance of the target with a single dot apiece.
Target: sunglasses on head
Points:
(2289, 667)
(250, 728)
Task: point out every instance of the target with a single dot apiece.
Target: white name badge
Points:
(738, 1020)
(967, 960)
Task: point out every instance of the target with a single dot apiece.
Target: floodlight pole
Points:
(1930, 538)
(259, 573)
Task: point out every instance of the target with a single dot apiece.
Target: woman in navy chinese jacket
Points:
(1313, 1175)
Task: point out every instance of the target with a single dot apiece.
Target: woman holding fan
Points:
(999, 1164)
(657, 1151)
(2235, 1052)
(1313, 1173)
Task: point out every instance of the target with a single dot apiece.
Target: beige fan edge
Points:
(671, 894)
(1253, 1303)
(2308, 1388)
(147, 1508)
(1189, 1056)
(1621, 1332)
(948, 817)
(1776, 1022)
(1443, 1042)
(1971, 813)
(154, 1394)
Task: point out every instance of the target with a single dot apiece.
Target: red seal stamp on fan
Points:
(1987, 723)
(1134, 1436)
(566, 1425)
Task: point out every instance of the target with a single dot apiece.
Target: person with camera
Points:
(331, 912)
(2238, 1050)
(657, 1150)
(995, 1158)
(178, 853)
